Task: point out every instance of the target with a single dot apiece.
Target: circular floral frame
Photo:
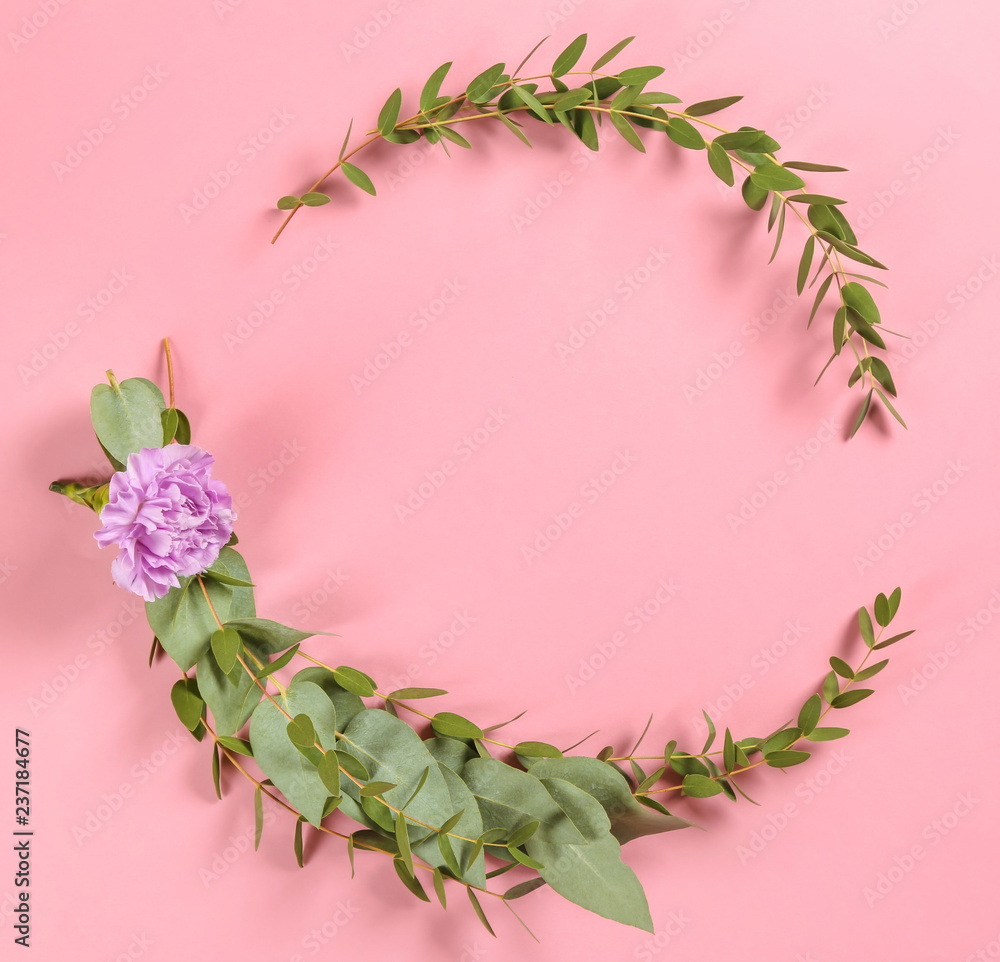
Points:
(450, 803)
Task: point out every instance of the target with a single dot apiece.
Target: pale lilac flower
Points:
(168, 516)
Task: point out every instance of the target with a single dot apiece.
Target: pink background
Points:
(133, 855)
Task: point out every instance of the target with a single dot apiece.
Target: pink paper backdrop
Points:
(336, 372)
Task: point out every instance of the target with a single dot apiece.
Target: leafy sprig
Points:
(580, 100)
(456, 806)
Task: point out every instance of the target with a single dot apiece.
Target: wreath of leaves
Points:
(448, 801)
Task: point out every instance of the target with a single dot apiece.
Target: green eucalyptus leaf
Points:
(847, 249)
(455, 137)
(862, 327)
(573, 98)
(358, 177)
(127, 416)
(871, 671)
(821, 217)
(523, 888)
(590, 874)
(827, 734)
(710, 739)
(258, 817)
(820, 294)
(521, 835)
(375, 842)
(728, 752)
(237, 745)
(722, 166)
(354, 681)
(700, 786)
(480, 914)
(329, 772)
(649, 118)
(288, 202)
(480, 89)
(429, 95)
(300, 731)
(514, 129)
(267, 635)
(407, 878)
(170, 424)
(841, 667)
(402, 136)
(890, 408)
(439, 889)
(804, 165)
(388, 115)
(894, 599)
(865, 627)
(278, 663)
(537, 750)
(809, 715)
(639, 75)
(786, 759)
(821, 199)
(781, 228)
(226, 646)
(772, 176)
(704, 107)
(290, 771)
(852, 697)
(532, 102)
(569, 57)
(625, 98)
(659, 97)
(586, 129)
(748, 138)
(685, 764)
(531, 53)
(846, 231)
(839, 330)
(882, 374)
(625, 128)
(183, 620)
(187, 702)
(606, 58)
(805, 264)
(455, 726)
(754, 196)
(684, 134)
(780, 740)
(352, 766)
(412, 694)
(223, 577)
(831, 687)
(374, 789)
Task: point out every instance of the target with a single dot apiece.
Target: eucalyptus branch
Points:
(624, 99)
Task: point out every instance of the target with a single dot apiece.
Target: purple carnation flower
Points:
(167, 515)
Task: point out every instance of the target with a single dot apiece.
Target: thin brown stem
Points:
(170, 368)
